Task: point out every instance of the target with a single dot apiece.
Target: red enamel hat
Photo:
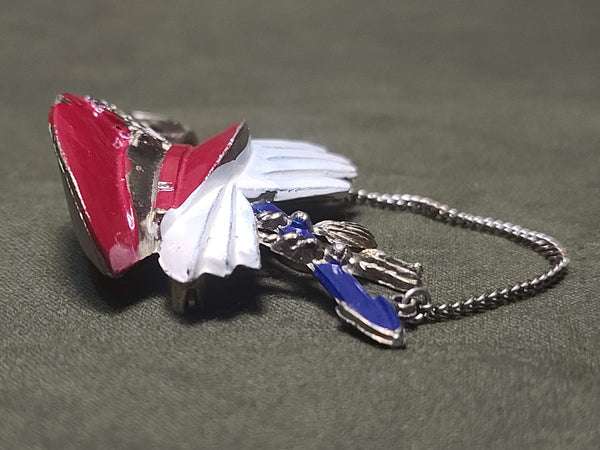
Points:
(121, 176)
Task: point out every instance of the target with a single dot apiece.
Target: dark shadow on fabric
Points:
(142, 281)
(224, 298)
(357, 334)
(322, 209)
(299, 286)
(102, 293)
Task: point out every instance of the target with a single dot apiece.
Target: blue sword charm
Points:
(331, 255)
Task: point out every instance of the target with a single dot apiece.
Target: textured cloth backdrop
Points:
(494, 109)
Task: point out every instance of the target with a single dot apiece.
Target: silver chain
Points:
(419, 308)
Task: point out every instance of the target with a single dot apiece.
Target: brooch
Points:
(138, 184)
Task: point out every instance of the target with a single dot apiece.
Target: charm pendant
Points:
(137, 184)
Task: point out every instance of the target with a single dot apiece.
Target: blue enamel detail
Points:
(264, 206)
(298, 226)
(344, 287)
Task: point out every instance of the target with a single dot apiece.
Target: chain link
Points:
(541, 243)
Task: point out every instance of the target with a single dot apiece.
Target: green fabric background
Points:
(492, 108)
